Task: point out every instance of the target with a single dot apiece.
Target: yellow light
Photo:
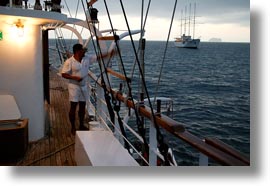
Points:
(20, 28)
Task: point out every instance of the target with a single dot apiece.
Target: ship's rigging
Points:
(113, 97)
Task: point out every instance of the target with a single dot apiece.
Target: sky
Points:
(225, 19)
(228, 20)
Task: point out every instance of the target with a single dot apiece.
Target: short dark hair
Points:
(77, 47)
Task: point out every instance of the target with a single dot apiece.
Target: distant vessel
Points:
(186, 41)
(215, 40)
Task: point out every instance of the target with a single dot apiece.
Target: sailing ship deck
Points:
(57, 147)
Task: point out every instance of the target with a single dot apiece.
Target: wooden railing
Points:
(212, 148)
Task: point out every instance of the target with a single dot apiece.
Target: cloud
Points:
(208, 11)
(214, 15)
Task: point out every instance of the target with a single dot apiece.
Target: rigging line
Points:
(165, 51)
(137, 59)
(60, 44)
(146, 15)
(120, 122)
(77, 9)
(124, 71)
(142, 20)
(91, 34)
(76, 12)
(145, 19)
(162, 146)
(99, 50)
(57, 48)
(62, 41)
(141, 52)
(68, 9)
(101, 60)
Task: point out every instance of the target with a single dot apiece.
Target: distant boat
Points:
(186, 41)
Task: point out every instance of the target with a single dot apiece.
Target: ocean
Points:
(210, 88)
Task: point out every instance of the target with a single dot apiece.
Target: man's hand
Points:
(77, 78)
(90, 3)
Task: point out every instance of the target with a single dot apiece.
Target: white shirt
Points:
(78, 90)
(75, 68)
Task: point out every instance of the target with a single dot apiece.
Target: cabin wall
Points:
(21, 74)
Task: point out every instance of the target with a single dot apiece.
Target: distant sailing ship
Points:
(186, 41)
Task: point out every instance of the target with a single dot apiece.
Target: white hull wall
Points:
(21, 74)
(190, 44)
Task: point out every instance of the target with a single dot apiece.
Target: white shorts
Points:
(77, 93)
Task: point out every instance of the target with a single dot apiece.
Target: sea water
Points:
(210, 88)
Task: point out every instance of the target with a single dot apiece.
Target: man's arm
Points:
(90, 3)
(105, 55)
(66, 71)
(68, 76)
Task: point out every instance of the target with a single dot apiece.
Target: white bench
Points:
(8, 108)
(100, 148)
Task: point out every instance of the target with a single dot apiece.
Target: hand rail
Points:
(177, 129)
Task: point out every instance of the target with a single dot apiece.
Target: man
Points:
(76, 70)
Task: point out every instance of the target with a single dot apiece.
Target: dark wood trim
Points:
(46, 65)
(178, 130)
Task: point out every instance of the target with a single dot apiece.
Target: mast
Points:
(189, 19)
(185, 19)
(181, 33)
(194, 21)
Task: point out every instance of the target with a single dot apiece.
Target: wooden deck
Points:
(57, 148)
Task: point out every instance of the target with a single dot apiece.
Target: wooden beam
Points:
(227, 149)
(106, 38)
(116, 74)
(178, 130)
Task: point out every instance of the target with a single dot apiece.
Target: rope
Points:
(50, 154)
(142, 20)
(145, 19)
(99, 53)
(128, 83)
(68, 8)
(162, 146)
(165, 52)
(76, 12)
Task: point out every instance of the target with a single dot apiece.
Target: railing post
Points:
(153, 139)
(153, 145)
(117, 128)
(99, 102)
(117, 132)
(203, 160)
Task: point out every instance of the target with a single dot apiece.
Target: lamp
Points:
(20, 28)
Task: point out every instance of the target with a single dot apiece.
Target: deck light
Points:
(20, 28)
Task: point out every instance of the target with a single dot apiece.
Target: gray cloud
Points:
(209, 11)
